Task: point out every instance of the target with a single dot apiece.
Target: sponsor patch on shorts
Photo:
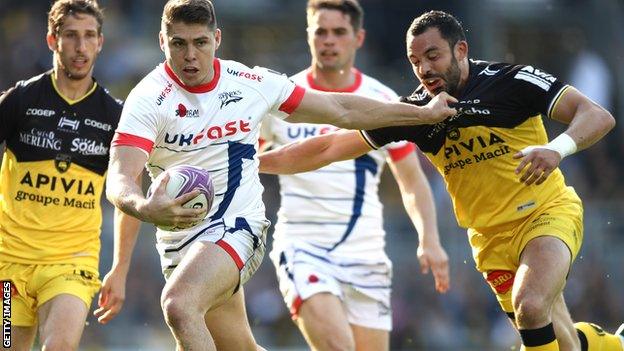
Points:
(501, 281)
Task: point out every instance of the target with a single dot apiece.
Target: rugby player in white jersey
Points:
(199, 110)
(329, 236)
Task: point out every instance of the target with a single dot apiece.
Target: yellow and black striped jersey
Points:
(500, 110)
(53, 172)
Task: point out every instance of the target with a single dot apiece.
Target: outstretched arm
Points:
(588, 123)
(419, 205)
(313, 153)
(351, 111)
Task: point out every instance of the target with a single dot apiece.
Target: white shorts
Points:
(245, 243)
(363, 287)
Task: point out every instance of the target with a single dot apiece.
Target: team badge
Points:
(453, 133)
(62, 162)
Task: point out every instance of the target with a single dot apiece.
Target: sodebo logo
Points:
(98, 125)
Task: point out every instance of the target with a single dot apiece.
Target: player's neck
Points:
(333, 79)
(72, 89)
(464, 74)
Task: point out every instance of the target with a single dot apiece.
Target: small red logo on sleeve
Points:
(501, 281)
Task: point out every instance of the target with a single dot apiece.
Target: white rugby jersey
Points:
(214, 126)
(335, 207)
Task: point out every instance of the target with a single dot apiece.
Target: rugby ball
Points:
(183, 179)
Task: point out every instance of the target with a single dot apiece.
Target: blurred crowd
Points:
(558, 36)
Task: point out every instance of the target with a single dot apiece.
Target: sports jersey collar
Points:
(203, 88)
(65, 98)
(353, 87)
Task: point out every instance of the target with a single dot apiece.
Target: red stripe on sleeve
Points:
(230, 250)
(124, 139)
(400, 153)
(293, 100)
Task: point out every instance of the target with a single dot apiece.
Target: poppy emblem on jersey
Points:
(62, 162)
(501, 281)
(312, 278)
(183, 112)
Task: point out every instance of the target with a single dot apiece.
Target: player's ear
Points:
(217, 38)
(461, 50)
(100, 43)
(360, 36)
(161, 40)
(52, 41)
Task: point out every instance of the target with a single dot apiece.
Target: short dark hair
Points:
(347, 7)
(63, 8)
(189, 12)
(449, 27)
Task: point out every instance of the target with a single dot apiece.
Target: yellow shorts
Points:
(497, 251)
(34, 285)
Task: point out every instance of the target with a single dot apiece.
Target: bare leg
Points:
(61, 322)
(22, 338)
(324, 324)
(229, 326)
(368, 339)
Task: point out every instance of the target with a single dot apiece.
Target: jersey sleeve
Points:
(138, 125)
(377, 138)
(266, 129)
(534, 90)
(283, 95)
(9, 119)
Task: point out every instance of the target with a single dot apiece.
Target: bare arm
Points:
(313, 153)
(113, 292)
(356, 112)
(419, 205)
(124, 191)
(588, 123)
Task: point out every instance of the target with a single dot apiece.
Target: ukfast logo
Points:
(248, 75)
(208, 133)
(536, 77)
(164, 93)
(66, 123)
(295, 132)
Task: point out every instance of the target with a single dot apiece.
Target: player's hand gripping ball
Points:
(183, 179)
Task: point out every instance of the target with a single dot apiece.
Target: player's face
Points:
(76, 46)
(190, 51)
(332, 40)
(434, 62)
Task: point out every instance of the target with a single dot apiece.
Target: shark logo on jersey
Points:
(229, 97)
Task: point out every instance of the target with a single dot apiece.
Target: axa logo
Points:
(472, 145)
(209, 133)
(164, 93)
(68, 124)
(39, 112)
(88, 147)
(183, 112)
(230, 97)
(248, 75)
(536, 77)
